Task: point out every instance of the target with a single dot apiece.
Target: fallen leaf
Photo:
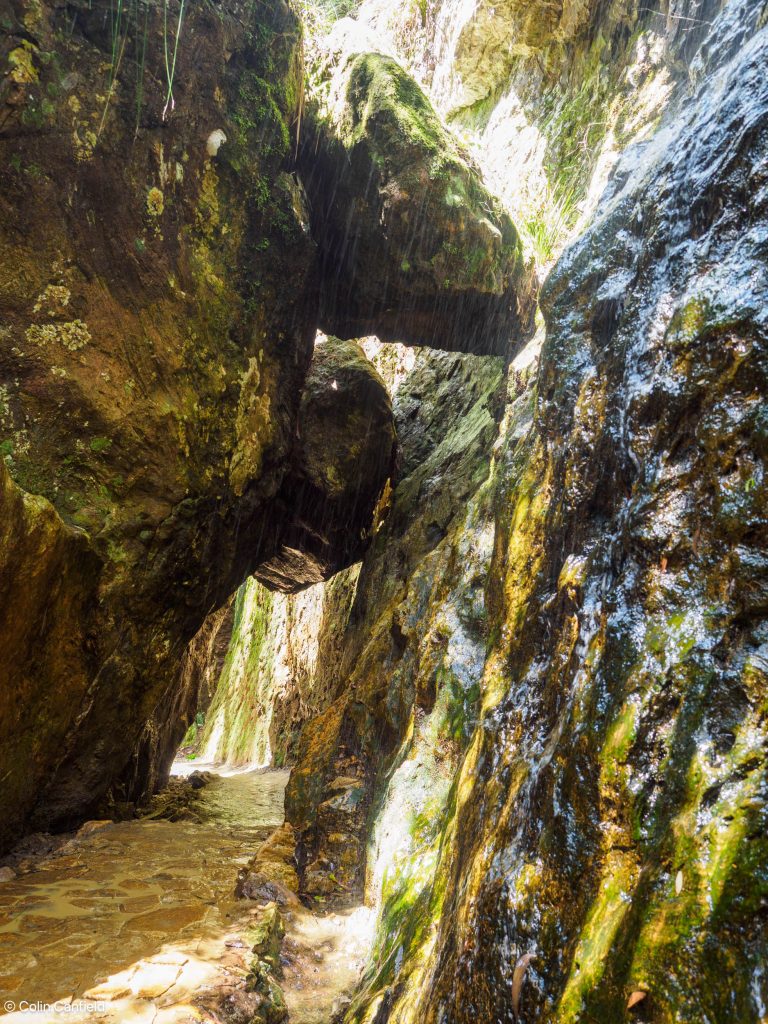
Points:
(678, 883)
(664, 564)
(635, 998)
(517, 980)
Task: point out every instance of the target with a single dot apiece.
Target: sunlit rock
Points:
(413, 642)
(604, 845)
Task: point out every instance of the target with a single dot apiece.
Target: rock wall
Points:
(611, 818)
(590, 845)
(160, 293)
(413, 246)
(148, 770)
(415, 632)
(538, 740)
(151, 360)
(278, 671)
(341, 460)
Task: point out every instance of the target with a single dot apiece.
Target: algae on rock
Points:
(606, 832)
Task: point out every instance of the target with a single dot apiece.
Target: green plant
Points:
(319, 15)
(140, 62)
(545, 230)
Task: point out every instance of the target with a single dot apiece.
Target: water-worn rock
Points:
(342, 459)
(271, 1008)
(274, 861)
(606, 834)
(152, 376)
(189, 693)
(267, 937)
(151, 358)
(46, 575)
(413, 247)
(278, 670)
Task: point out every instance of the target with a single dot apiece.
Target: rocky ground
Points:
(140, 920)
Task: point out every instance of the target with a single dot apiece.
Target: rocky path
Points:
(137, 921)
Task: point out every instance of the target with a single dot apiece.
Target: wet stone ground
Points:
(137, 921)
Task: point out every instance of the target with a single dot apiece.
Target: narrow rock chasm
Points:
(383, 541)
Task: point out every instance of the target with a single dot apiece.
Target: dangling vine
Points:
(170, 66)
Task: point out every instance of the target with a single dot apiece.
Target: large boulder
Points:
(413, 246)
(343, 457)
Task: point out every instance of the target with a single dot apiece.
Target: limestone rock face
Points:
(342, 458)
(413, 247)
(151, 358)
(606, 832)
(411, 641)
(159, 294)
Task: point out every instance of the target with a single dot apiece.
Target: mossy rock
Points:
(413, 246)
(151, 375)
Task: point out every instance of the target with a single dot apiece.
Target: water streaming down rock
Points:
(623, 694)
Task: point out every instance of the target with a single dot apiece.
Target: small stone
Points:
(7, 874)
(215, 140)
(88, 827)
(267, 936)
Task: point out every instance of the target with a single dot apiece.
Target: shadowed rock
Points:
(151, 365)
(342, 460)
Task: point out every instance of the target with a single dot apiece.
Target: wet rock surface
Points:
(413, 248)
(138, 910)
(602, 855)
(537, 735)
(188, 696)
(278, 670)
(153, 363)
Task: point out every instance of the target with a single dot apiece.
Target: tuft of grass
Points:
(170, 62)
(546, 229)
